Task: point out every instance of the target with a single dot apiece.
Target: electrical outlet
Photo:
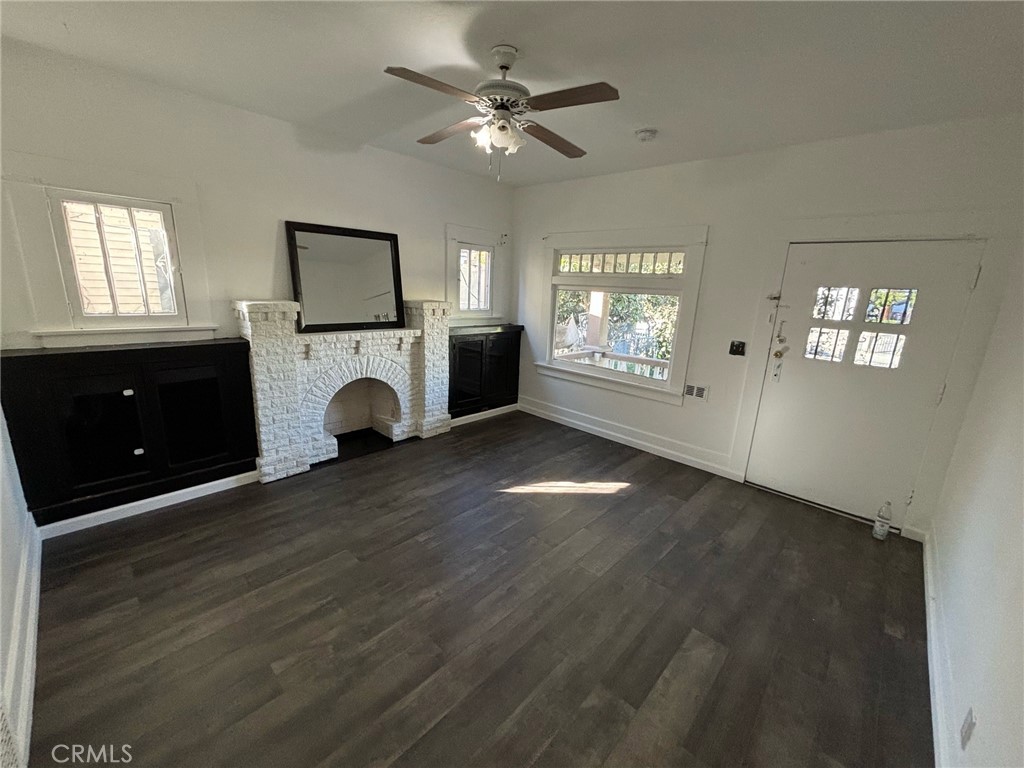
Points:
(967, 729)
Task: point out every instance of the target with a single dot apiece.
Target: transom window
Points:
(118, 256)
(622, 263)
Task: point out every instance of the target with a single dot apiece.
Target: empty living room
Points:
(508, 384)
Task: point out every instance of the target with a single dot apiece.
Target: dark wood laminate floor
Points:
(406, 609)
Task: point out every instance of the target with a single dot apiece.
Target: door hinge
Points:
(977, 276)
(910, 498)
(942, 394)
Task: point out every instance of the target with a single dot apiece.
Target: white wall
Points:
(928, 180)
(234, 176)
(19, 598)
(975, 561)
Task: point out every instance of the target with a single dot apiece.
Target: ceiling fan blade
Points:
(571, 97)
(552, 139)
(465, 125)
(429, 82)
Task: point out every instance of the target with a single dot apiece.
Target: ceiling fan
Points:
(503, 105)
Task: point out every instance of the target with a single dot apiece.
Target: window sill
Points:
(661, 394)
(77, 337)
(463, 320)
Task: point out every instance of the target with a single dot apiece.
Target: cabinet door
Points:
(466, 373)
(501, 369)
(100, 421)
(189, 414)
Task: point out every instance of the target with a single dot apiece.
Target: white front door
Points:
(864, 336)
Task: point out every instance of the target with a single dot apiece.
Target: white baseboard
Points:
(485, 414)
(620, 433)
(939, 674)
(20, 664)
(133, 508)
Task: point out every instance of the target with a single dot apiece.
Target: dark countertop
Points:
(27, 351)
(468, 330)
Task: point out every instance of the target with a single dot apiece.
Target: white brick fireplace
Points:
(295, 377)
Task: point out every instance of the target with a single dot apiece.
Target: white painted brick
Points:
(296, 377)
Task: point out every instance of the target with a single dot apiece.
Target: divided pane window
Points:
(835, 303)
(122, 258)
(622, 263)
(879, 350)
(475, 264)
(826, 344)
(893, 306)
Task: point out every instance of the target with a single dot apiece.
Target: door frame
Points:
(1001, 235)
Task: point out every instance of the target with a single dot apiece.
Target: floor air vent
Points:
(697, 390)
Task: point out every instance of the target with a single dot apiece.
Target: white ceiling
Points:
(716, 79)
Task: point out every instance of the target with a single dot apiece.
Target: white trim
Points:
(915, 534)
(614, 383)
(690, 239)
(56, 197)
(456, 235)
(88, 337)
(100, 331)
(649, 238)
(939, 673)
(24, 635)
(620, 433)
(133, 508)
(488, 414)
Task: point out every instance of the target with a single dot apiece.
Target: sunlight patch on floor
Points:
(567, 487)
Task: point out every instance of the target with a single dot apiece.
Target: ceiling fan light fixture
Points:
(504, 105)
(483, 137)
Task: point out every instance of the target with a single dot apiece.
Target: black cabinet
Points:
(483, 368)
(95, 427)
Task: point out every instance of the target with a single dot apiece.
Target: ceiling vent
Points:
(698, 391)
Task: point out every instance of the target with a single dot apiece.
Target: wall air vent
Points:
(697, 391)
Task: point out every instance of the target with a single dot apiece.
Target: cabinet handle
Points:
(128, 392)
(139, 451)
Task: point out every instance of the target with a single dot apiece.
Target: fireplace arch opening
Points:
(362, 417)
(365, 403)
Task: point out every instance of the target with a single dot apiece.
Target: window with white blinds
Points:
(119, 258)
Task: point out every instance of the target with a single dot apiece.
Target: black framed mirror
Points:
(344, 279)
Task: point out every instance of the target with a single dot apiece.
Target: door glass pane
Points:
(835, 303)
(893, 306)
(879, 350)
(826, 344)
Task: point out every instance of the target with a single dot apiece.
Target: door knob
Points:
(777, 353)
